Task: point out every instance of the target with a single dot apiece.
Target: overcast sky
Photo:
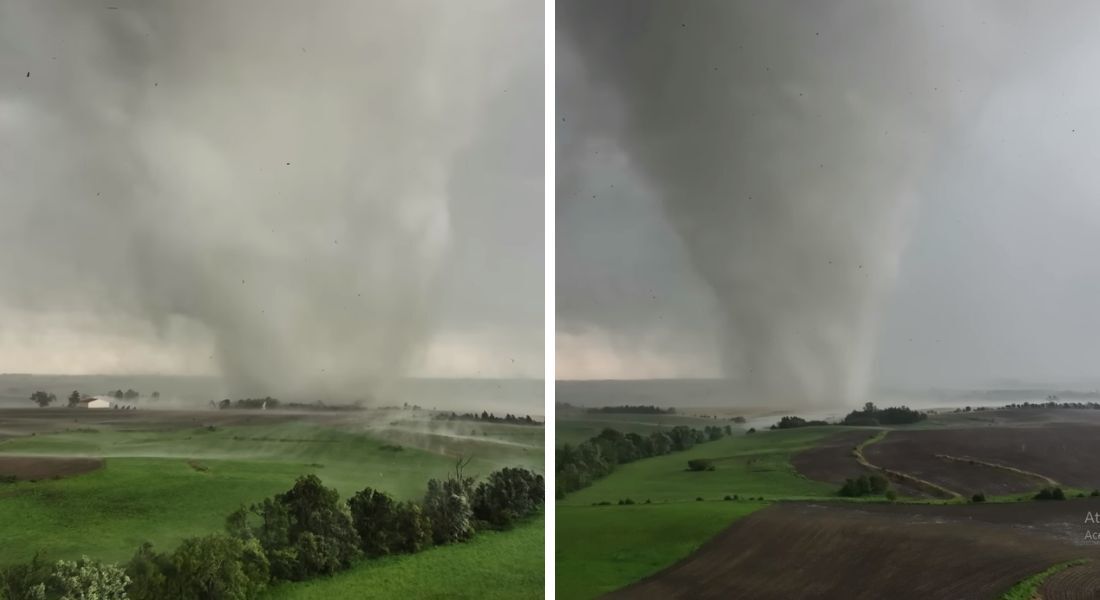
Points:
(944, 152)
(288, 194)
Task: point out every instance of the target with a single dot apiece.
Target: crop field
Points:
(1078, 581)
(1063, 452)
(161, 476)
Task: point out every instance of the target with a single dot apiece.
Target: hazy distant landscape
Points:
(522, 396)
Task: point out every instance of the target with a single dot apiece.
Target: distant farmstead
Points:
(95, 402)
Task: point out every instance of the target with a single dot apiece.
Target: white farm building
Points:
(95, 402)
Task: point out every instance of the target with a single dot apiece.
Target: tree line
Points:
(302, 533)
(487, 417)
(869, 416)
(633, 410)
(44, 399)
(577, 466)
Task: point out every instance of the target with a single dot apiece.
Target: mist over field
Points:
(304, 200)
(814, 202)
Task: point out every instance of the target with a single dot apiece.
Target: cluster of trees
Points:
(894, 415)
(1051, 493)
(256, 403)
(1052, 402)
(701, 464)
(488, 417)
(633, 410)
(302, 533)
(129, 394)
(795, 422)
(864, 485)
(577, 466)
(871, 415)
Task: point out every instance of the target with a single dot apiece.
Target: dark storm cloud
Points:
(786, 145)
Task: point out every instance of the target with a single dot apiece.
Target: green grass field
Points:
(603, 548)
(494, 565)
(747, 465)
(163, 484)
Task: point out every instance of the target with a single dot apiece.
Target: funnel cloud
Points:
(291, 195)
(786, 148)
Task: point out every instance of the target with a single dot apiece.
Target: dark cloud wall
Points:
(778, 154)
(297, 183)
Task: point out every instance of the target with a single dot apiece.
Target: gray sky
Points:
(840, 194)
(294, 195)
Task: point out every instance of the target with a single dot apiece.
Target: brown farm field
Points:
(1063, 452)
(855, 552)
(1081, 582)
(1016, 456)
(32, 468)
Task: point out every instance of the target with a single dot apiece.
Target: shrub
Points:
(699, 499)
(879, 484)
(1095, 493)
(864, 486)
(891, 495)
(701, 464)
(751, 430)
(979, 497)
(1050, 493)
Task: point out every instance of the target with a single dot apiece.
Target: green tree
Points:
(216, 567)
(26, 581)
(414, 529)
(304, 531)
(373, 513)
(42, 399)
(87, 579)
(507, 495)
(447, 505)
(74, 399)
(147, 572)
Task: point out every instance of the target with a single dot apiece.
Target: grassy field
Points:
(493, 565)
(603, 548)
(163, 484)
(747, 465)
